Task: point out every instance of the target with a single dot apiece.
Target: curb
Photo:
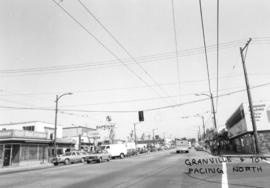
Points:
(21, 169)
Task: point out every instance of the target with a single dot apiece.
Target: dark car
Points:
(99, 156)
(199, 148)
(132, 152)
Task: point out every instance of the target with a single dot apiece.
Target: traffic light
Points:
(141, 118)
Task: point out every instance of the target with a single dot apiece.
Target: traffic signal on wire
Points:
(141, 118)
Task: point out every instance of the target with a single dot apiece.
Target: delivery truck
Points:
(182, 146)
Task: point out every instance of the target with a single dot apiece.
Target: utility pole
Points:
(199, 134)
(203, 127)
(154, 140)
(135, 137)
(55, 126)
(213, 111)
(55, 120)
(257, 150)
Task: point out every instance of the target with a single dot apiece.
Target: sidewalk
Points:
(16, 169)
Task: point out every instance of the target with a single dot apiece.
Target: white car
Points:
(69, 157)
(116, 150)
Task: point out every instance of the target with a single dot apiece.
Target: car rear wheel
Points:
(55, 164)
(122, 156)
(82, 160)
(100, 160)
(67, 161)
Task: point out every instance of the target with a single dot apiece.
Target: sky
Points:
(45, 53)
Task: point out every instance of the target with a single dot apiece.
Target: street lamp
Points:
(135, 136)
(200, 116)
(213, 107)
(55, 122)
(154, 135)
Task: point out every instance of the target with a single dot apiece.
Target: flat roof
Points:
(24, 122)
(78, 127)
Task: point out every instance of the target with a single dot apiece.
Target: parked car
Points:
(116, 150)
(132, 152)
(69, 157)
(143, 150)
(98, 156)
(84, 155)
(199, 148)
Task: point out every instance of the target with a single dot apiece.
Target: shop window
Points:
(29, 128)
(1, 151)
(24, 152)
(29, 152)
(33, 151)
(15, 153)
(42, 152)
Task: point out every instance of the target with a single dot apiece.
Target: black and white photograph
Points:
(134, 94)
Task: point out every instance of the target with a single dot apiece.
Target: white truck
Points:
(182, 146)
(116, 150)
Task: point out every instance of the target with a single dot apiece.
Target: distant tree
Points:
(112, 135)
(143, 136)
(131, 135)
(109, 118)
(192, 140)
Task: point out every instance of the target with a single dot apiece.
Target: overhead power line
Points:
(134, 100)
(176, 50)
(104, 46)
(217, 55)
(121, 46)
(131, 111)
(157, 58)
(205, 99)
(205, 49)
(125, 88)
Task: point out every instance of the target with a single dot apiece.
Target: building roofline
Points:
(72, 127)
(24, 122)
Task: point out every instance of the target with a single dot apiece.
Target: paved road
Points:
(156, 170)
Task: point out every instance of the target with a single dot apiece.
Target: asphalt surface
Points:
(155, 170)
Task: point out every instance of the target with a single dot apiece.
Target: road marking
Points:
(266, 161)
(224, 183)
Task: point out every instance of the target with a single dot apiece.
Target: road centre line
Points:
(224, 179)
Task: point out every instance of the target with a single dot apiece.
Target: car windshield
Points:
(67, 154)
(103, 147)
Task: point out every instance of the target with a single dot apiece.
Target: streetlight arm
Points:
(199, 94)
(55, 123)
(58, 97)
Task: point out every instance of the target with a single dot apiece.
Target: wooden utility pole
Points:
(257, 150)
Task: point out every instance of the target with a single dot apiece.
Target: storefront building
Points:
(240, 129)
(21, 144)
(23, 147)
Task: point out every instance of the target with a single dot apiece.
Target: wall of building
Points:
(71, 132)
(264, 142)
(76, 131)
(262, 116)
(39, 127)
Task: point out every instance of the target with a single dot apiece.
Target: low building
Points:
(240, 130)
(84, 137)
(35, 126)
(29, 142)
